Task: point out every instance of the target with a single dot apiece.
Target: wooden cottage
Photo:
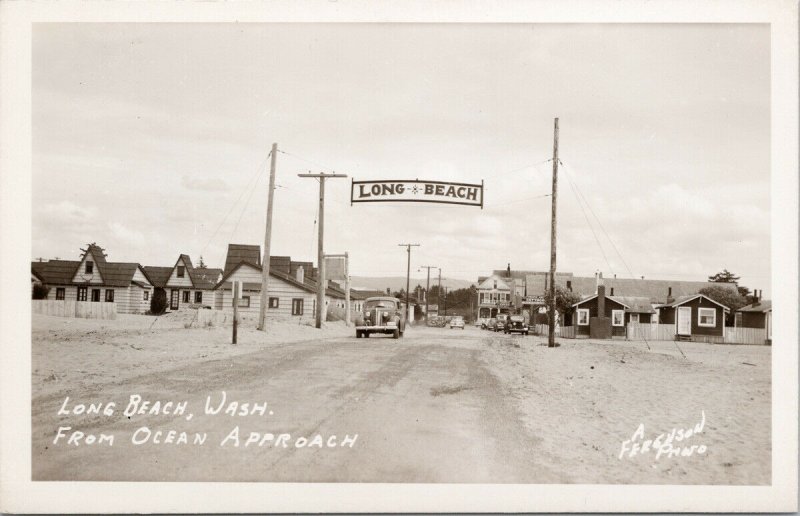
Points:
(186, 286)
(757, 315)
(94, 279)
(599, 316)
(696, 317)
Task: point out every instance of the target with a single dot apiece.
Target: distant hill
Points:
(398, 282)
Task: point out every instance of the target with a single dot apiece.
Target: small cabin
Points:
(696, 317)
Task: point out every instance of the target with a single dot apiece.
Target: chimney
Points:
(300, 274)
(670, 299)
(756, 298)
(601, 300)
(569, 285)
(508, 270)
(612, 291)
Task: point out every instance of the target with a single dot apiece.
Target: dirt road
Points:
(438, 405)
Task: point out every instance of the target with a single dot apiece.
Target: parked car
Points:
(516, 324)
(381, 315)
(457, 322)
(491, 323)
(501, 322)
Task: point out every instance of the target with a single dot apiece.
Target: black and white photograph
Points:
(385, 253)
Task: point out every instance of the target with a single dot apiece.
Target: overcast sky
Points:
(149, 139)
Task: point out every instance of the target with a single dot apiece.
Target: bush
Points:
(40, 291)
(158, 303)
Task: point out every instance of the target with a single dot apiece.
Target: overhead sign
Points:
(335, 268)
(417, 190)
(534, 299)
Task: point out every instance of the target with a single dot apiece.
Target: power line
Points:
(315, 163)
(259, 170)
(604, 230)
(588, 223)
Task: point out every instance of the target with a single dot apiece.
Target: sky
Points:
(152, 140)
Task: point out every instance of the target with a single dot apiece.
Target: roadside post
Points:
(236, 293)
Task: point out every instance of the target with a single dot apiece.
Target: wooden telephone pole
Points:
(551, 332)
(408, 276)
(346, 257)
(262, 309)
(427, 288)
(320, 251)
(439, 293)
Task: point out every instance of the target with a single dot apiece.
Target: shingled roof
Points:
(158, 275)
(56, 272)
(765, 305)
(205, 277)
(61, 272)
(238, 253)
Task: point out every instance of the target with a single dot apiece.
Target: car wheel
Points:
(358, 334)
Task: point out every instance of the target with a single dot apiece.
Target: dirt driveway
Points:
(438, 405)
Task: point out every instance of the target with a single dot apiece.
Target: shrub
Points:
(40, 291)
(158, 303)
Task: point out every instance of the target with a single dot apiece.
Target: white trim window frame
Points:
(614, 314)
(704, 313)
(583, 316)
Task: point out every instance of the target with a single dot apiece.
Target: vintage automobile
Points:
(381, 315)
(501, 322)
(491, 324)
(516, 324)
(457, 322)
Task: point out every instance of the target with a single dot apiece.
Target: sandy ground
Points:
(439, 405)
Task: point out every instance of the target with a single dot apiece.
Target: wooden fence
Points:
(82, 309)
(566, 332)
(647, 331)
(745, 336)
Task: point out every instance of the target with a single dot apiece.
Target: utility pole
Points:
(237, 292)
(427, 288)
(551, 332)
(262, 309)
(408, 275)
(439, 293)
(346, 257)
(445, 302)
(320, 251)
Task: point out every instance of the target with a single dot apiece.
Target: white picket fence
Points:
(81, 309)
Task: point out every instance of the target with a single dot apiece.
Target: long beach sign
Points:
(417, 190)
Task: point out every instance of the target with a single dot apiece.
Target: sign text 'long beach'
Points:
(417, 190)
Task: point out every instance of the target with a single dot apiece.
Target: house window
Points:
(181, 271)
(273, 302)
(198, 297)
(297, 307)
(89, 267)
(109, 295)
(737, 320)
(187, 296)
(95, 295)
(146, 295)
(60, 293)
(244, 302)
(707, 317)
(583, 317)
(617, 317)
(82, 293)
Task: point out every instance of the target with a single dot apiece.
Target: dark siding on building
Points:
(754, 320)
